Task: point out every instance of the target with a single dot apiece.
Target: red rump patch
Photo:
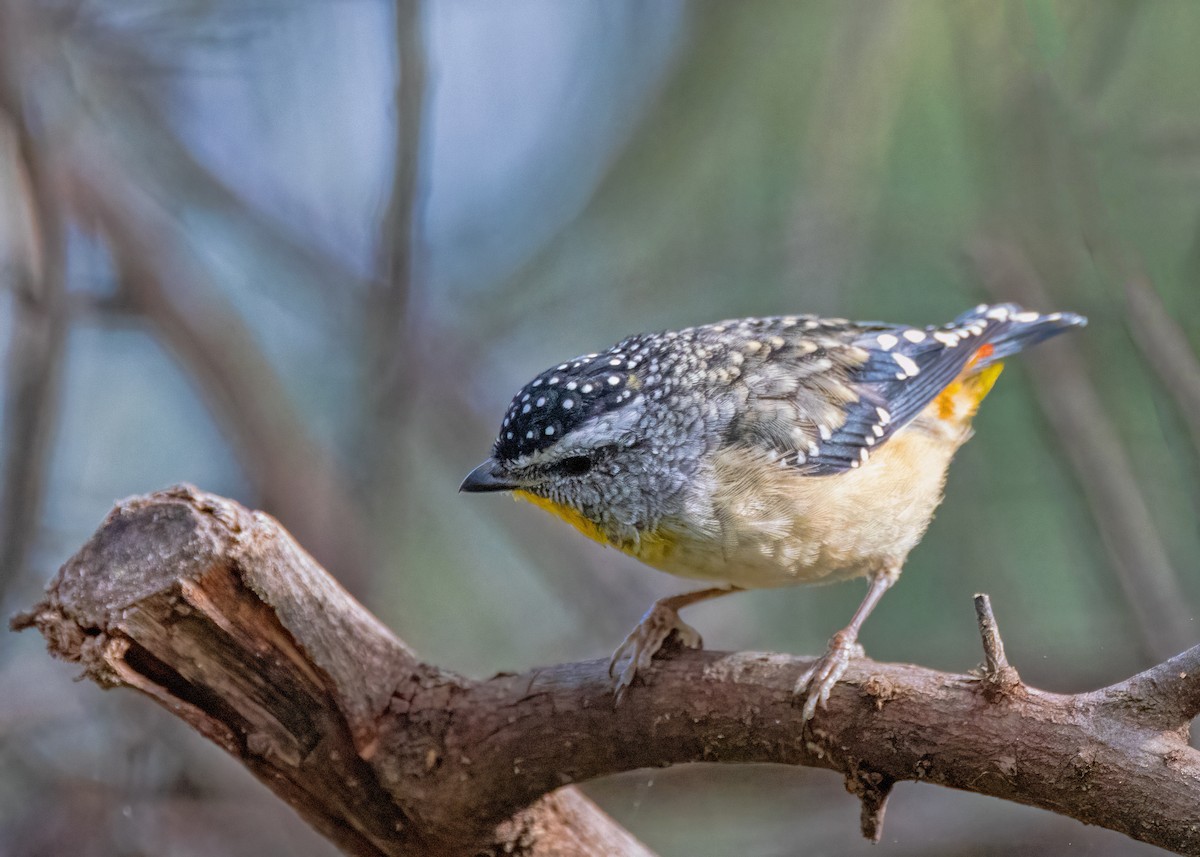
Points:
(984, 352)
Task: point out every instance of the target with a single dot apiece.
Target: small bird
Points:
(758, 452)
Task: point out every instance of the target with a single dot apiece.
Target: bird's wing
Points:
(832, 393)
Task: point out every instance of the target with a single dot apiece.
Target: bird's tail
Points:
(1011, 328)
(1004, 329)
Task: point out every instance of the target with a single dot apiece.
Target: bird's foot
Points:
(644, 642)
(818, 680)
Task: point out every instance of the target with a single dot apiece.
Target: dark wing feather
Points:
(824, 393)
(908, 367)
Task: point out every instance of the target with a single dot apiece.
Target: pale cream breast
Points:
(767, 524)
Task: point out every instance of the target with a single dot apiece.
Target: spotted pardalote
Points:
(758, 452)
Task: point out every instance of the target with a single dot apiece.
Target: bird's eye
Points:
(576, 465)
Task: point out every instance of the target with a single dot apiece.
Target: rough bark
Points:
(217, 614)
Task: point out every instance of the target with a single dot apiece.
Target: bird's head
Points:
(594, 441)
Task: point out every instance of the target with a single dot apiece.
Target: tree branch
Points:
(218, 615)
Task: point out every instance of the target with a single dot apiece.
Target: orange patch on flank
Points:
(962, 396)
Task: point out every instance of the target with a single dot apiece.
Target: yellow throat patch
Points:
(571, 516)
(650, 548)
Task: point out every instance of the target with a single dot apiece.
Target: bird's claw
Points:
(818, 680)
(644, 642)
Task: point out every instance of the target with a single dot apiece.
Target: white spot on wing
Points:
(907, 365)
(886, 341)
(914, 335)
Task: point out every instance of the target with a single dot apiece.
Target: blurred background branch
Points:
(37, 279)
(392, 341)
(1165, 345)
(1090, 443)
(164, 282)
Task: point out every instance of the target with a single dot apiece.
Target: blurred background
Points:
(303, 253)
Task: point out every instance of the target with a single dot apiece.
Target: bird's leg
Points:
(647, 638)
(818, 680)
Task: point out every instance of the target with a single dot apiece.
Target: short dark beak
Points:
(486, 477)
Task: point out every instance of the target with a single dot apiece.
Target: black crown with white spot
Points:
(561, 398)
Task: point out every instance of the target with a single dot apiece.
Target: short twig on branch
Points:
(214, 612)
(999, 678)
